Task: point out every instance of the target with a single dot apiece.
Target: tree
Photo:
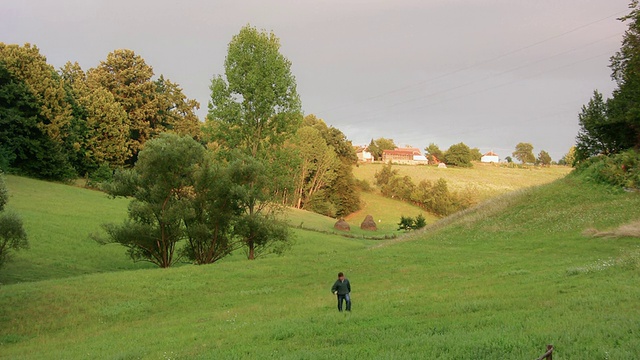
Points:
(29, 66)
(384, 176)
(215, 210)
(162, 186)
(318, 165)
(544, 158)
(258, 228)
(524, 153)
(25, 147)
(176, 113)
(598, 134)
(128, 78)
(378, 146)
(254, 110)
(476, 155)
(458, 155)
(340, 196)
(568, 158)
(105, 135)
(434, 154)
(43, 85)
(152, 107)
(612, 126)
(508, 159)
(256, 105)
(12, 234)
(624, 106)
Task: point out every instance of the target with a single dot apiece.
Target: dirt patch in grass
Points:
(631, 229)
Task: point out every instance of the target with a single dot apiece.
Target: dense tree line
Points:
(612, 126)
(59, 124)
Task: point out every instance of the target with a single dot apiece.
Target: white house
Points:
(490, 157)
(363, 154)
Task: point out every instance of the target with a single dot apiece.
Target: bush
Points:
(409, 223)
(620, 170)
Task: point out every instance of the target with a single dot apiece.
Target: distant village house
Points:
(363, 154)
(490, 157)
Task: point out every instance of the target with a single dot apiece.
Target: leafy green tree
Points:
(400, 188)
(215, 210)
(30, 67)
(378, 146)
(152, 107)
(105, 135)
(256, 105)
(434, 154)
(25, 147)
(419, 222)
(384, 176)
(624, 106)
(318, 165)
(508, 159)
(476, 155)
(259, 228)
(128, 78)
(406, 223)
(569, 157)
(176, 113)
(340, 196)
(544, 158)
(162, 186)
(458, 155)
(524, 153)
(599, 133)
(12, 234)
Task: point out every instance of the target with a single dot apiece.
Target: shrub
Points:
(620, 170)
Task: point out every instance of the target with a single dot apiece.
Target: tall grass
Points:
(488, 180)
(497, 282)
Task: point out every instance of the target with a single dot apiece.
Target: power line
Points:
(483, 62)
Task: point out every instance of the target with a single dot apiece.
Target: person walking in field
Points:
(341, 288)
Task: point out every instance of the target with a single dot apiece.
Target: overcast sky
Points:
(489, 73)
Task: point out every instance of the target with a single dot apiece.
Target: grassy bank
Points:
(499, 281)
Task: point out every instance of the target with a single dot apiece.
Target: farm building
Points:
(363, 154)
(410, 156)
(490, 157)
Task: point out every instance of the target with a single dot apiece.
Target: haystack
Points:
(342, 225)
(369, 224)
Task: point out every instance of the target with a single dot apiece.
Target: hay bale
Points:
(369, 224)
(342, 225)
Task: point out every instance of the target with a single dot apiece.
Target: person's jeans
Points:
(346, 298)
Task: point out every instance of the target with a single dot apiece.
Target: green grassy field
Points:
(488, 179)
(501, 280)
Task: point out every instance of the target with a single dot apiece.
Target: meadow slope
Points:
(499, 281)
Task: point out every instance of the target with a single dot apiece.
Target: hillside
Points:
(488, 180)
(499, 281)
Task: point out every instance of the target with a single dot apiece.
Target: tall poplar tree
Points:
(255, 104)
(254, 109)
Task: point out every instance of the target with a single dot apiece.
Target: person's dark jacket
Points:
(342, 287)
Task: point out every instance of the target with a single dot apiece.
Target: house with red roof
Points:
(490, 157)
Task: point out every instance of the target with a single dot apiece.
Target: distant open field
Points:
(489, 179)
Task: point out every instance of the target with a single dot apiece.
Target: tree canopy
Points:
(611, 126)
(12, 234)
(524, 153)
(256, 104)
